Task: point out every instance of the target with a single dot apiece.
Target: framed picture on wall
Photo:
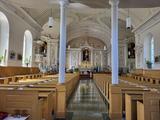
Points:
(12, 55)
(19, 56)
(157, 59)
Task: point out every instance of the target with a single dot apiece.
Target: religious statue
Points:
(86, 55)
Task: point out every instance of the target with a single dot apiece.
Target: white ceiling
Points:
(90, 16)
(90, 3)
(40, 10)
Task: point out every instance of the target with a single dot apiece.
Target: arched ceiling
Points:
(90, 41)
(90, 3)
(86, 17)
(122, 3)
(40, 10)
(88, 27)
(96, 25)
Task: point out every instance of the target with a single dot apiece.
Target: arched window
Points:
(4, 38)
(27, 49)
(152, 50)
(149, 48)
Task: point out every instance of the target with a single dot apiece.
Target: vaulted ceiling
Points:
(90, 3)
(87, 17)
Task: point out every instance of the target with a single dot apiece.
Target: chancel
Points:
(79, 60)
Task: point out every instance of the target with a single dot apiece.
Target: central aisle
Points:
(86, 103)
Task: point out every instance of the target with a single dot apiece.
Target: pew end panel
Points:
(140, 110)
(151, 103)
(21, 100)
(61, 101)
(115, 102)
(131, 105)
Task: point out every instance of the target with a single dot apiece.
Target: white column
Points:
(92, 56)
(56, 52)
(125, 54)
(114, 40)
(62, 47)
(49, 53)
(101, 53)
(70, 59)
(80, 59)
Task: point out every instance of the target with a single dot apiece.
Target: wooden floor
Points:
(86, 103)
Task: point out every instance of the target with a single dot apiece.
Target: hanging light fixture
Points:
(50, 21)
(69, 46)
(128, 21)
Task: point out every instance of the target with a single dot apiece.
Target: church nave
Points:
(87, 103)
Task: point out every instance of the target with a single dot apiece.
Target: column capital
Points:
(63, 3)
(114, 2)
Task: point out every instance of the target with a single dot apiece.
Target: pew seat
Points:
(115, 95)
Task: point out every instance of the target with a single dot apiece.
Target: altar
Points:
(86, 58)
(86, 70)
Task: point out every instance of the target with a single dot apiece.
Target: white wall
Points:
(143, 33)
(4, 38)
(17, 27)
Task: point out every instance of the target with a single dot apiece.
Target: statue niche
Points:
(86, 55)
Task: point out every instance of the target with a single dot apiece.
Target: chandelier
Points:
(50, 21)
(128, 21)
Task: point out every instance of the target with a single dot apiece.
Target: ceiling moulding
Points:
(148, 24)
(30, 18)
(22, 14)
(12, 10)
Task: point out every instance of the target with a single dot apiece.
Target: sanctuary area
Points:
(79, 60)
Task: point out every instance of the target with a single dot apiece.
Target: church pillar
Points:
(114, 40)
(52, 52)
(91, 57)
(70, 59)
(49, 52)
(101, 53)
(80, 57)
(62, 48)
(56, 51)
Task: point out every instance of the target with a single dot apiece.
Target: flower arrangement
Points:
(76, 70)
(1, 58)
(149, 64)
(26, 61)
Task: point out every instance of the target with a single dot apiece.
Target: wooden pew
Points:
(60, 96)
(151, 103)
(18, 100)
(148, 107)
(150, 76)
(44, 92)
(115, 96)
(48, 95)
(6, 80)
(140, 110)
(131, 105)
(48, 104)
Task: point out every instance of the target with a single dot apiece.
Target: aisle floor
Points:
(86, 103)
